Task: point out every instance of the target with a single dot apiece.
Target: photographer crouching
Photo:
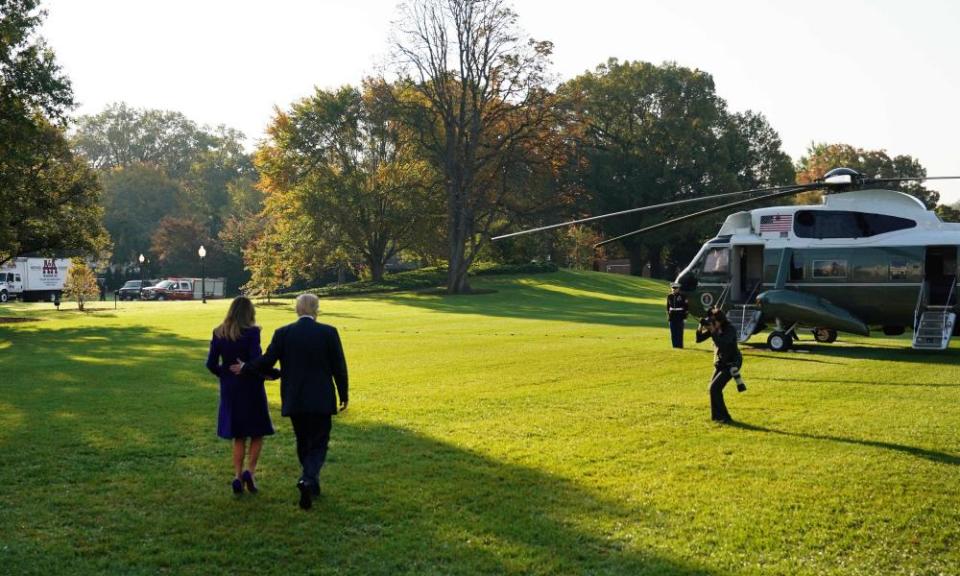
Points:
(727, 360)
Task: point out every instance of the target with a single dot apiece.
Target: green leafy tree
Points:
(949, 213)
(122, 136)
(175, 244)
(136, 198)
(821, 158)
(339, 159)
(172, 167)
(218, 183)
(49, 201)
(81, 283)
(479, 89)
(653, 134)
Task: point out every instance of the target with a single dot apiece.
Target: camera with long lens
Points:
(735, 372)
(706, 321)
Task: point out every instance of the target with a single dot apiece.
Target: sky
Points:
(878, 74)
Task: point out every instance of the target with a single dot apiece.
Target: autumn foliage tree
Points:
(81, 283)
(821, 158)
(338, 159)
(480, 90)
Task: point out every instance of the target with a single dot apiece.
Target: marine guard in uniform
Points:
(677, 313)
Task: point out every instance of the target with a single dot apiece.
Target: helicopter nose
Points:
(688, 282)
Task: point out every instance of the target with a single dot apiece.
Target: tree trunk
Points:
(376, 269)
(457, 273)
(459, 229)
(656, 262)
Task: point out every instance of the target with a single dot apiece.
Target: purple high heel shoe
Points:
(248, 482)
(237, 486)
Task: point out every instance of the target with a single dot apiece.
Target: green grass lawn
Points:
(546, 428)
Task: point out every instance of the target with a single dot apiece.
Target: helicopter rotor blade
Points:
(908, 179)
(657, 206)
(787, 192)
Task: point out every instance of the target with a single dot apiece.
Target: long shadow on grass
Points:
(563, 296)
(425, 506)
(931, 455)
(66, 376)
(889, 353)
(112, 465)
(820, 380)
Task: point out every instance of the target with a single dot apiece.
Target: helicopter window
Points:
(796, 267)
(899, 269)
(717, 261)
(842, 224)
(829, 268)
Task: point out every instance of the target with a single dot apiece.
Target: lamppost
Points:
(203, 279)
(140, 292)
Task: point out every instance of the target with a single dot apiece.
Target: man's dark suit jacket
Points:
(311, 359)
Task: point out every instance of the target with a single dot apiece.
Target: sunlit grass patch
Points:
(544, 428)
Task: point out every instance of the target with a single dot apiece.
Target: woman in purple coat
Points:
(243, 401)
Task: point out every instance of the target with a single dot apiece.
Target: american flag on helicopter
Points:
(776, 223)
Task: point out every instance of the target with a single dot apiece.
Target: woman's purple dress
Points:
(243, 399)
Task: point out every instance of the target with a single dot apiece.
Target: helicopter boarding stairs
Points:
(744, 316)
(933, 324)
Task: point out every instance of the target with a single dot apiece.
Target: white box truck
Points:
(33, 279)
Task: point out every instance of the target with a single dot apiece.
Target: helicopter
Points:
(866, 257)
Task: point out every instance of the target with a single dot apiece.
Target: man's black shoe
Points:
(306, 495)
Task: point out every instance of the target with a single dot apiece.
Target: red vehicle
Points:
(172, 289)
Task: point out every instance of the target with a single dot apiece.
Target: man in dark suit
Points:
(311, 361)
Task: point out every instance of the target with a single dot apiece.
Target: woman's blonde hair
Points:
(240, 316)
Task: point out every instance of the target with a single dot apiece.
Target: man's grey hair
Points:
(308, 305)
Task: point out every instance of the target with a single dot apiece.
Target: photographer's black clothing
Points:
(725, 343)
(727, 355)
(677, 312)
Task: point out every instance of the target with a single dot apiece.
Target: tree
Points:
(267, 269)
(949, 213)
(49, 201)
(158, 163)
(122, 136)
(479, 88)
(338, 156)
(653, 134)
(136, 199)
(175, 243)
(81, 283)
(821, 158)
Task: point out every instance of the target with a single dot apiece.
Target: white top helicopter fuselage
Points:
(878, 254)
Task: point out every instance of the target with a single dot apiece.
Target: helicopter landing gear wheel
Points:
(825, 335)
(780, 341)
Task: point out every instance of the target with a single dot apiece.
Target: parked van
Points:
(33, 279)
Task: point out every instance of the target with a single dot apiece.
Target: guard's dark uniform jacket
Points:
(677, 313)
(677, 306)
